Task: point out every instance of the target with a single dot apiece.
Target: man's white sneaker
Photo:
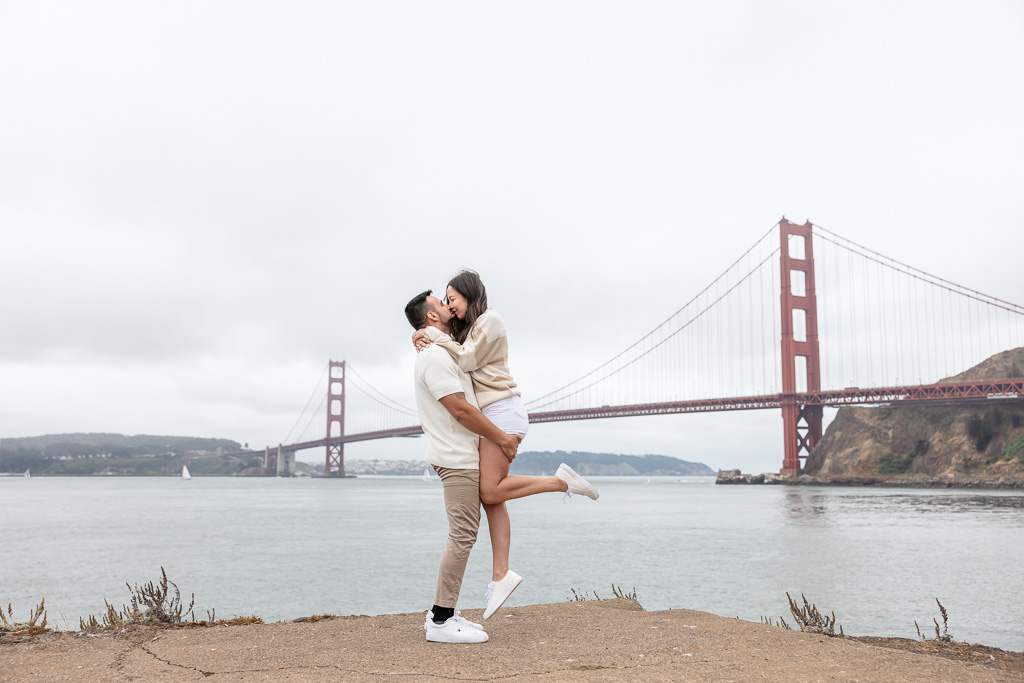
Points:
(498, 592)
(452, 631)
(576, 483)
(466, 622)
(459, 619)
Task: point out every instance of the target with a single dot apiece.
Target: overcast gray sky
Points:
(201, 203)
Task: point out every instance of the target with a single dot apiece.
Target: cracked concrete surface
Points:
(593, 641)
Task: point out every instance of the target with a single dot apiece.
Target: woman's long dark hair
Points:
(468, 284)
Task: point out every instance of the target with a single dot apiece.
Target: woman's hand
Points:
(419, 340)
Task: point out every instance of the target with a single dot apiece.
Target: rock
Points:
(736, 477)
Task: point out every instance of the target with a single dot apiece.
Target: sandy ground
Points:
(613, 640)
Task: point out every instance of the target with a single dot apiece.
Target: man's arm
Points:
(470, 417)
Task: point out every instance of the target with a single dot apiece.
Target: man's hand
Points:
(419, 340)
(470, 417)
(510, 445)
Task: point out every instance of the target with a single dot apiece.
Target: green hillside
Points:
(586, 464)
(143, 454)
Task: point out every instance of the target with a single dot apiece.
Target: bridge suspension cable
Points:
(885, 322)
(924, 276)
(722, 316)
(369, 410)
(312, 395)
(378, 397)
(320, 412)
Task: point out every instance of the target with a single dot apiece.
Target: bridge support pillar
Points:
(335, 461)
(790, 417)
(801, 424)
(285, 462)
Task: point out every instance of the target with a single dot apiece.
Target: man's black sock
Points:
(442, 614)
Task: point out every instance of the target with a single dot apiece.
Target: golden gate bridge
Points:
(803, 320)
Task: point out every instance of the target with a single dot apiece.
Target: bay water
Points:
(285, 548)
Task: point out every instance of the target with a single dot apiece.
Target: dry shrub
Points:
(149, 604)
(810, 620)
(30, 627)
(942, 636)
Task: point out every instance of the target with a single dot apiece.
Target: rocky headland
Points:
(963, 444)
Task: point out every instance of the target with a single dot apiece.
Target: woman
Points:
(479, 345)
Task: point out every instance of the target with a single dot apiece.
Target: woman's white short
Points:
(508, 415)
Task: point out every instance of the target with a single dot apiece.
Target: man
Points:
(453, 424)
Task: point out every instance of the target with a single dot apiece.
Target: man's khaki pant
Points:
(462, 503)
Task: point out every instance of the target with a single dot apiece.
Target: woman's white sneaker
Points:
(452, 631)
(576, 483)
(498, 592)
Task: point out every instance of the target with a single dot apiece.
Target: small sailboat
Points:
(426, 474)
(28, 473)
(184, 472)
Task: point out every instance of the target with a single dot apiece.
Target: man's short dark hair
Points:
(417, 309)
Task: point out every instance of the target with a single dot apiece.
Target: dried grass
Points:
(618, 592)
(152, 603)
(810, 620)
(30, 627)
(940, 636)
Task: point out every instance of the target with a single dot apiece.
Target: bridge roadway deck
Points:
(1003, 389)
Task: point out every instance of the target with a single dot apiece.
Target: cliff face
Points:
(978, 443)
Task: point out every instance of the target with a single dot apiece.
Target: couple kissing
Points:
(473, 416)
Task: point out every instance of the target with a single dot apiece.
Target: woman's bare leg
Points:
(498, 523)
(497, 486)
(500, 527)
